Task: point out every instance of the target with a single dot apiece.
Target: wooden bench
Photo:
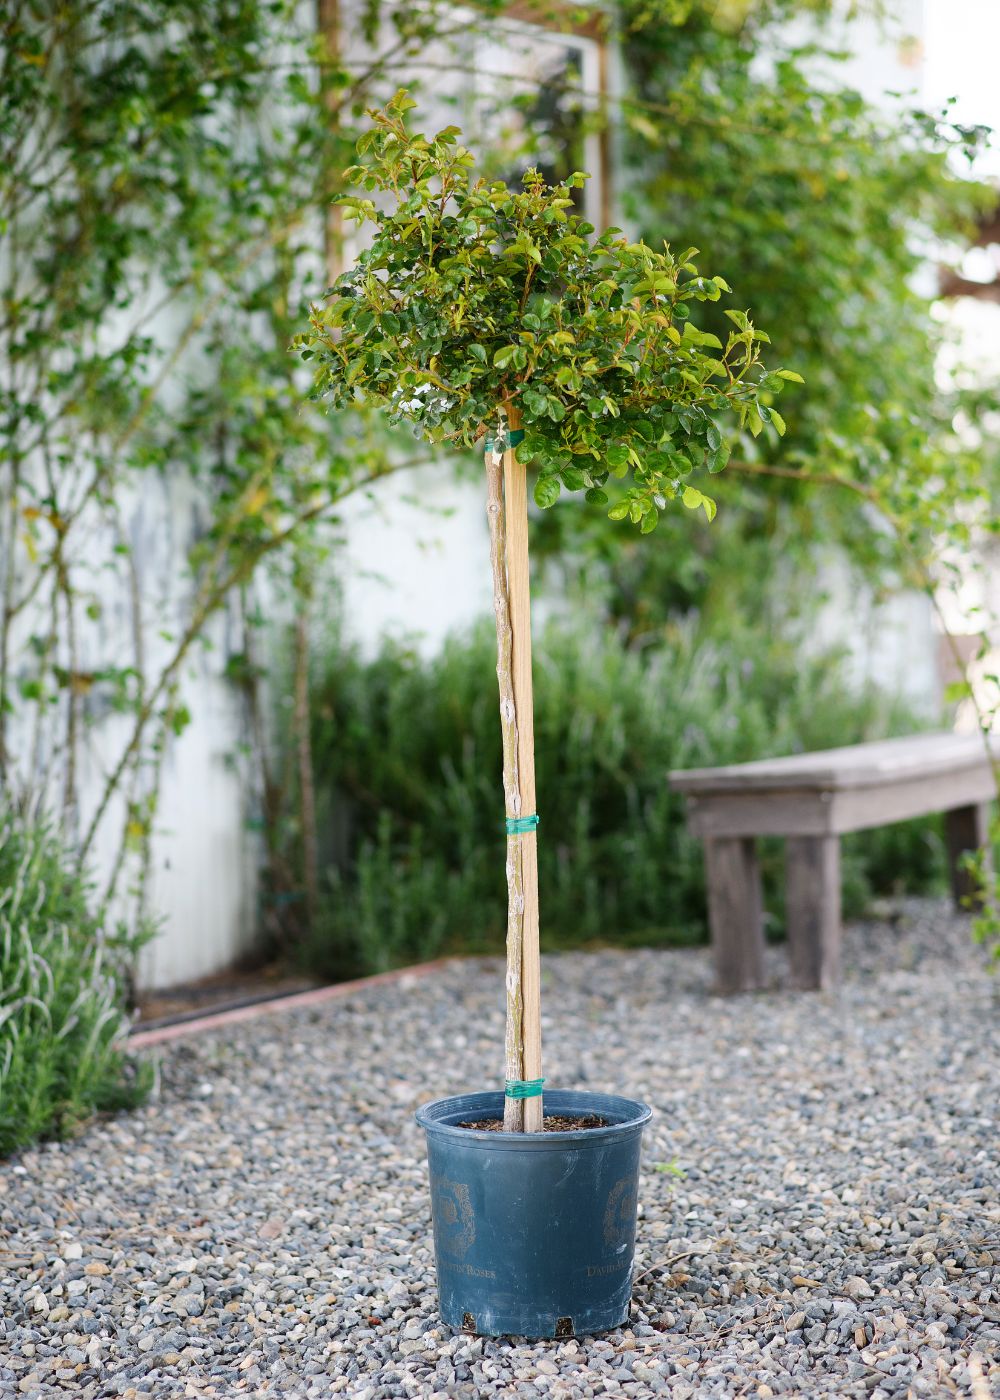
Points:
(811, 799)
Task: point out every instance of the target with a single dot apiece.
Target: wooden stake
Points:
(513, 1114)
(519, 595)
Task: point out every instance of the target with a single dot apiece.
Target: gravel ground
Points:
(262, 1227)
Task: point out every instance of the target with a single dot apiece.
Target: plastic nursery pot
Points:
(534, 1233)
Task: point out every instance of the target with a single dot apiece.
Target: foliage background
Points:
(64, 987)
(411, 830)
(822, 210)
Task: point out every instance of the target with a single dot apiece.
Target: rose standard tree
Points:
(485, 315)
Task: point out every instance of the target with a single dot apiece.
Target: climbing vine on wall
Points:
(166, 169)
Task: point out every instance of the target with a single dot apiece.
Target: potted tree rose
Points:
(494, 317)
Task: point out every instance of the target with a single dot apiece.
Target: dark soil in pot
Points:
(551, 1123)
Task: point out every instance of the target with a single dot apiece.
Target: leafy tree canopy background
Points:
(824, 210)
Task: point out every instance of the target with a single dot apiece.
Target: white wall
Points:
(415, 561)
(202, 876)
(891, 642)
(886, 50)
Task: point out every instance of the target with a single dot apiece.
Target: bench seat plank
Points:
(856, 765)
(831, 810)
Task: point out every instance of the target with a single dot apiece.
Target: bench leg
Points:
(812, 909)
(735, 913)
(966, 829)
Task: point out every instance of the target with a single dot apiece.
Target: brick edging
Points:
(319, 996)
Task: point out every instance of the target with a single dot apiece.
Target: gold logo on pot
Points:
(454, 1222)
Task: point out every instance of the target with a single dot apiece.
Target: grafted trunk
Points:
(508, 519)
(513, 1116)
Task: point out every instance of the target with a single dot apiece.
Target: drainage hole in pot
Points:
(552, 1123)
(564, 1327)
(468, 1323)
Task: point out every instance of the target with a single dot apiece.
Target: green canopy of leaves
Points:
(473, 298)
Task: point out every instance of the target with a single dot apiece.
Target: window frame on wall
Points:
(596, 36)
(523, 25)
(552, 30)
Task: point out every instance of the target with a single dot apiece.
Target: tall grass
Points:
(407, 762)
(62, 995)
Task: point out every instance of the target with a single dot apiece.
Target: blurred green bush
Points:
(407, 768)
(63, 991)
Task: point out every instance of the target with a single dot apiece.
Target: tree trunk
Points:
(513, 1114)
(512, 607)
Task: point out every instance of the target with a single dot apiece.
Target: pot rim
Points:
(489, 1102)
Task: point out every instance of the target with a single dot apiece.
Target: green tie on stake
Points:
(492, 318)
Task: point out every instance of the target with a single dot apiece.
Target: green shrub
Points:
(62, 995)
(407, 762)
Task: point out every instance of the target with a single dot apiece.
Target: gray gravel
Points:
(262, 1228)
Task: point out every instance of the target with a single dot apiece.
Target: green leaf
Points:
(790, 375)
(504, 356)
(179, 719)
(693, 498)
(618, 511)
(719, 459)
(547, 490)
(693, 336)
